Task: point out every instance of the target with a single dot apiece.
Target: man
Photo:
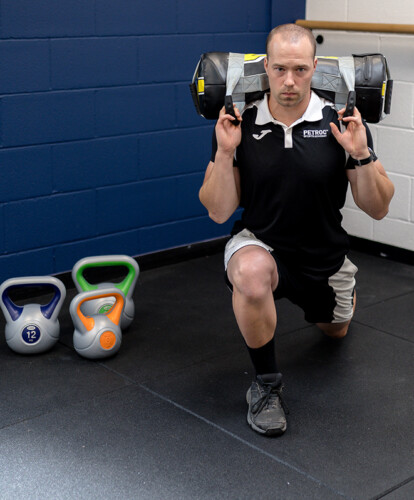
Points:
(288, 164)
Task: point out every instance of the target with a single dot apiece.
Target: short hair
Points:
(293, 33)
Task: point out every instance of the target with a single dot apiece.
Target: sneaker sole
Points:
(269, 432)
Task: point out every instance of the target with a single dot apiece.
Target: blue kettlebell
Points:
(32, 328)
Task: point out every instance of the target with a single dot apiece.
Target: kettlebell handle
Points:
(125, 285)
(114, 314)
(49, 311)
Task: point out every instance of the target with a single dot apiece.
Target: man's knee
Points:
(334, 330)
(252, 272)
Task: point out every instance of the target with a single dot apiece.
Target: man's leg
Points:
(337, 330)
(334, 330)
(252, 271)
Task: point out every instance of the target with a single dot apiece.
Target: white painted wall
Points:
(394, 136)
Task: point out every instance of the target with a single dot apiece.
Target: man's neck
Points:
(285, 114)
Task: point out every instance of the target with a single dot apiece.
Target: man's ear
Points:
(315, 62)
(265, 64)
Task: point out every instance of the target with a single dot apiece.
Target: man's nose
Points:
(289, 80)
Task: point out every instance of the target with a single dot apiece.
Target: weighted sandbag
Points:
(243, 77)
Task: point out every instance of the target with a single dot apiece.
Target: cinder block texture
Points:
(156, 151)
(129, 110)
(400, 11)
(30, 263)
(179, 233)
(398, 50)
(25, 66)
(412, 204)
(42, 222)
(394, 136)
(137, 205)
(67, 254)
(95, 163)
(43, 18)
(402, 106)
(325, 10)
(131, 17)
(357, 223)
(231, 16)
(400, 233)
(287, 12)
(179, 55)
(343, 43)
(401, 203)
(368, 11)
(101, 149)
(25, 173)
(395, 146)
(46, 117)
(244, 43)
(186, 113)
(93, 62)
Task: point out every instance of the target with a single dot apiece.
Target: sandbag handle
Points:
(228, 104)
(350, 105)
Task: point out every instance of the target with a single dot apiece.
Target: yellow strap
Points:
(200, 85)
(253, 57)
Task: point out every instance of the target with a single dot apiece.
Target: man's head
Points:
(290, 63)
(292, 32)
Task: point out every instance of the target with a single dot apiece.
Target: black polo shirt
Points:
(293, 185)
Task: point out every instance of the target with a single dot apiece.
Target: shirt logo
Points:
(262, 134)
(315, 134)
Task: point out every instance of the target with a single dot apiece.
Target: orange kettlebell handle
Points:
(114, 314)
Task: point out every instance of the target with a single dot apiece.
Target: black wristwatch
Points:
(372, 157)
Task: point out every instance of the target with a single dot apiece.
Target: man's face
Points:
(290, 67)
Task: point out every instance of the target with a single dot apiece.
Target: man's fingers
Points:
(335, 131)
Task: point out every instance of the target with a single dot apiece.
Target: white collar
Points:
(312, 113)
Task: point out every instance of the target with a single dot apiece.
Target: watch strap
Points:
(372, 157)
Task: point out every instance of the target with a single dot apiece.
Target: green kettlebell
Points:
(127, 285)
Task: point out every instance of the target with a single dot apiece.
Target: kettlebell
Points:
(127, 286)
(32, 328)
(98, 335)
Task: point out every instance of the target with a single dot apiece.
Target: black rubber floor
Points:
(165, 418)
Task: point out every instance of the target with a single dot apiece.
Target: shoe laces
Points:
(271, 395)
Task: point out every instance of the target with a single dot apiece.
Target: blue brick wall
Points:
(101, 150)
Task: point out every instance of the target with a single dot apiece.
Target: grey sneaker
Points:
(266, 413)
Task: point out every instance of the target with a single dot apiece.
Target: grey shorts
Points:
(327, 300)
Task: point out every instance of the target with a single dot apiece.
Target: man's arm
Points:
(220, 191)
(371, 188)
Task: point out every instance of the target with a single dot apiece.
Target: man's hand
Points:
(371, 188)
(228, 135)
(354, 138)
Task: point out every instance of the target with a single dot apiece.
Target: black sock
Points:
(264, 358)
